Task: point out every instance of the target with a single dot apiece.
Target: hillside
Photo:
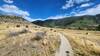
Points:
(76, 22)
(19, 37)
(11, 18)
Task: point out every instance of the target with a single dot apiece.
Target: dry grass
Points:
(84, 43)
(25, 44)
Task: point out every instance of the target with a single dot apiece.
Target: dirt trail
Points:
(65, 47)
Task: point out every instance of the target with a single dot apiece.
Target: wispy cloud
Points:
(80, 1)
(68, 4)
(8, 1)
(90, 11)
(82, 7)
(28, 18)
(35, 19)
(56, 17)
(51, 17)
(86, 5)
(71, 3)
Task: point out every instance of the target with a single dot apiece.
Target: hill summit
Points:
(5, 18)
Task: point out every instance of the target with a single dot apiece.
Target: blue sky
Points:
(49, 9)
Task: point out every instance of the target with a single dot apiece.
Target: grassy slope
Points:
(14, 44)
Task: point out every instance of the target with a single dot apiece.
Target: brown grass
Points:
(25, 44)
(83, 44)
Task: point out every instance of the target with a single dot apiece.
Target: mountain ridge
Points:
(75, 22)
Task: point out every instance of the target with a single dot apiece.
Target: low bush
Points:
(40, 35)
(17, 26)
(98, 28)
(12, 33)
(26, 26)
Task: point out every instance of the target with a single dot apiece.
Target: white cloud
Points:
(91, 11)
(85, 5)
(71, 3)
(80, 1)
(8, 1)
(28, 18)
(56, 17)
(14, 10)
(51, 17)
(68, 4)
(39, 19)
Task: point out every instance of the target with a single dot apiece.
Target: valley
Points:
(19, 37)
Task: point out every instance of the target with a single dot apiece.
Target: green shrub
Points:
(98, 28)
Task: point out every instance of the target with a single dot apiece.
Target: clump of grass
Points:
(12, 33)
(27, 26)
(51, 29)
(55, 31)
(17, 26)
(7, 26)
(40, 35)
(23, 31)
